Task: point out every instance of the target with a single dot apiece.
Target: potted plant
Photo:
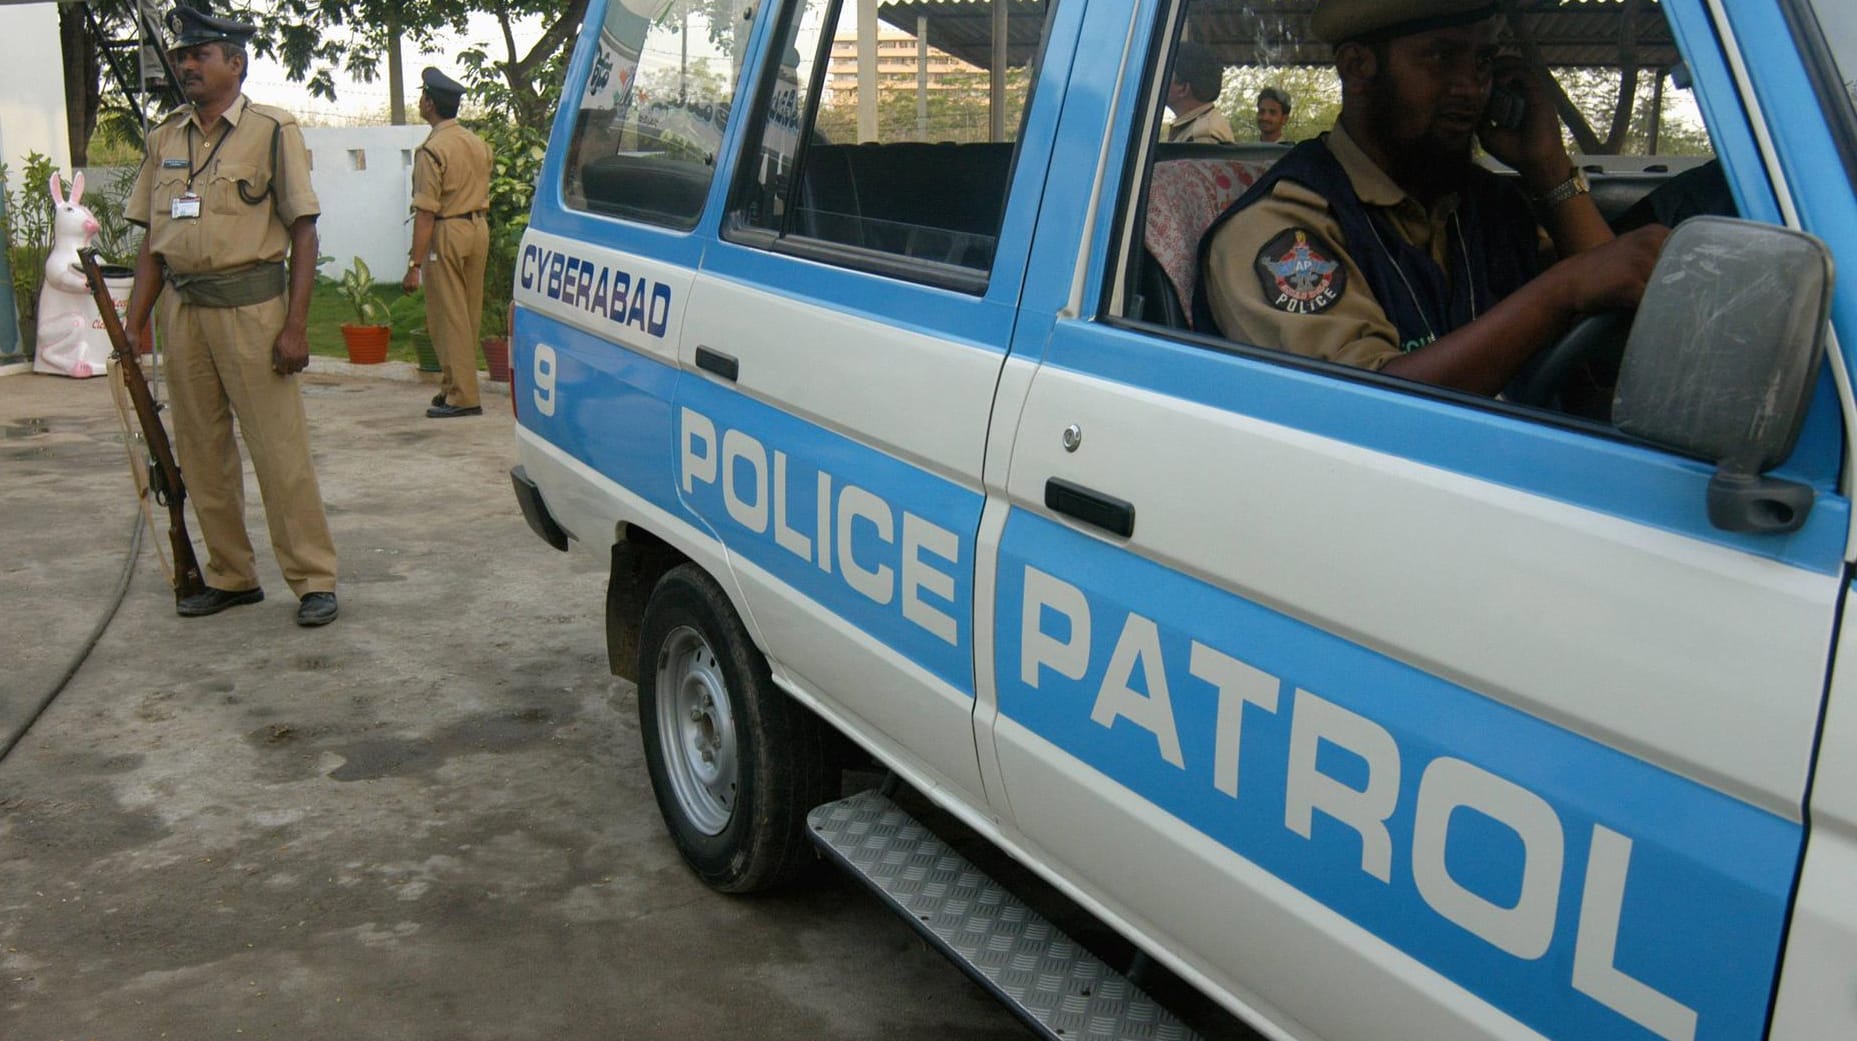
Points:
(26, 234)
(367, 337)
(499, 284)
(409, 313)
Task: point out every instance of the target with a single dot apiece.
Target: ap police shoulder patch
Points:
(1299, 273)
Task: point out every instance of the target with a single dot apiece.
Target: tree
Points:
(98, 42)
(314, 38)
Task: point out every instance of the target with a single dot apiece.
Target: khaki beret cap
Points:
(1338, 21)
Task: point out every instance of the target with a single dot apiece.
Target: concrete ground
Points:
(428, 820)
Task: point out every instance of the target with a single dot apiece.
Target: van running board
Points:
(1063, 991)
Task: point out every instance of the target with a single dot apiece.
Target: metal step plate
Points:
(1063, 991)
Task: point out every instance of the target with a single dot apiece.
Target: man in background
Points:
(1273, 110)
(1198, 76)
(451, 241)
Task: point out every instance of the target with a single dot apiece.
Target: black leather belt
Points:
(462, 216)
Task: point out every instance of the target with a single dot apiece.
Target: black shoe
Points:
(438, 400)
(451, 411)
(213, 601)
(316, 609)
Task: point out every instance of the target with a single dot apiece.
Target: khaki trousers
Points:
(454, 282)
(219, 369)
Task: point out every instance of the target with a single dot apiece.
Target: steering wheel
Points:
(1598, 337)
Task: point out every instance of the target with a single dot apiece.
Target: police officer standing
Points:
(451, 241)
(1192, 89)
(224, 191)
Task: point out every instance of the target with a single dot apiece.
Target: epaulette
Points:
(280, 116)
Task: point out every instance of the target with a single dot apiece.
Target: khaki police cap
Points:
(1338, 21)
(440, 85)
(193, 27)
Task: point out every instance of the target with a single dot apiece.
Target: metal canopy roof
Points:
(1276, 32)
(964, 28)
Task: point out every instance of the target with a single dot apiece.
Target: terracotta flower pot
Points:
(367, 344)
(496, 356)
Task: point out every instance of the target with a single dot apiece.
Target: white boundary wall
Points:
(364, 179)
(32, 114)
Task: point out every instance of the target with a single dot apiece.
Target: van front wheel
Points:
(734, 762)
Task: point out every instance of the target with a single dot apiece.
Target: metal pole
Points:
(996, 79)
(867, 70)
(1657, 113)
(922, 127)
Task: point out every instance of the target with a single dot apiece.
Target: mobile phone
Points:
(1507, 108)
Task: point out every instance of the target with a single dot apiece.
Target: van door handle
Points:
(717, 362)
(1116, 516)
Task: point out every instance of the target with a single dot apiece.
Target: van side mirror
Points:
(1722, 357)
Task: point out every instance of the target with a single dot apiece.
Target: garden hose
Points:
(90, 642)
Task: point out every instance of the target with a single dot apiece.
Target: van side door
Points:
(842, 344)
(1381, 710)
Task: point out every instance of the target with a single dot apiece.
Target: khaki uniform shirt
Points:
(1203, 125)
(1353, 329)
(451, 172)
(246, 206)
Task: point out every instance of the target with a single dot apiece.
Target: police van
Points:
(854, 340)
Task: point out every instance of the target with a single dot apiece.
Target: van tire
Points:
(735, 763)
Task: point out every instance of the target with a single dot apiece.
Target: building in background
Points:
(900, 59)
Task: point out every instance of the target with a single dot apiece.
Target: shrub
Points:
(27, 223)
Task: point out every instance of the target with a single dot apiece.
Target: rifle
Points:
(166, 483)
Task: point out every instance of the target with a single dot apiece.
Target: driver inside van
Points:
(1382, 244)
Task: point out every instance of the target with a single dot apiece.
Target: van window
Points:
(1236, 87)
(1838, 21)
(896, 139)
(654, 108)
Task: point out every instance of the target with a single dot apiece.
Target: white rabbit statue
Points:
(71, 337)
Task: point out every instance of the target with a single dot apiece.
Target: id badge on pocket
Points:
(184, 207)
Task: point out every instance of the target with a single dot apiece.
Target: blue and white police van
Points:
(853, 339)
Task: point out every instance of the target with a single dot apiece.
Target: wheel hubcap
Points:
(697, 729)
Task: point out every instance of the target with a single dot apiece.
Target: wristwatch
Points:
(1567, 189)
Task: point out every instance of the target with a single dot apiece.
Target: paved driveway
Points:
(428, 820)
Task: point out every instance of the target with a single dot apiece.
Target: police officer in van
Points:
(224, 191)
(451, 241)
(1383, 244)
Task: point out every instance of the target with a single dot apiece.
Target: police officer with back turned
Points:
(224, 191)
(451, 241)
